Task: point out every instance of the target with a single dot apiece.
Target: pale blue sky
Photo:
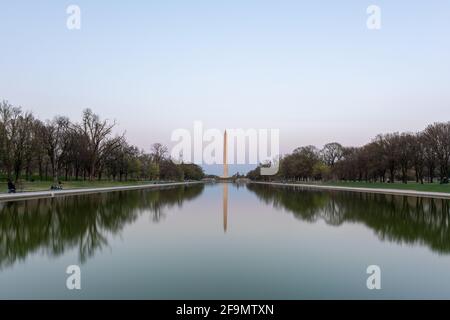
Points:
(310, 68)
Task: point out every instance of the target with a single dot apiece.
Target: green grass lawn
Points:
(25, 186)
(431, 187)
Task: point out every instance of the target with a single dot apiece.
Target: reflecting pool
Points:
(225, 241)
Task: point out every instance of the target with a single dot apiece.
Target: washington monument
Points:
(225, 156)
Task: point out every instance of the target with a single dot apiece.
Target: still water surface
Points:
(224, 241)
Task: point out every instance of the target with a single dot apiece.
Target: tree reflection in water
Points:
(52, 226)
(401, 219)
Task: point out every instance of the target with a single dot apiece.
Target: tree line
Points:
(86, 150)
(421, 157)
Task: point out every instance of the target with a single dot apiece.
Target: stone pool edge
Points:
(7, 197)
(398, 192)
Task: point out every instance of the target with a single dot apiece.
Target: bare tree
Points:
(331, 153)
(391, 146)
(96, 133)
(159, 152)
(9, 119)
(418, 156)
(437, 137)
(54, 132)
(405, 154)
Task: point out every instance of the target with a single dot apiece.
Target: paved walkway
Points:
(413, 193)
(71, 192)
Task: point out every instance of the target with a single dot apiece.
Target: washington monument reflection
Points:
(225, 185)
(225, 206)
